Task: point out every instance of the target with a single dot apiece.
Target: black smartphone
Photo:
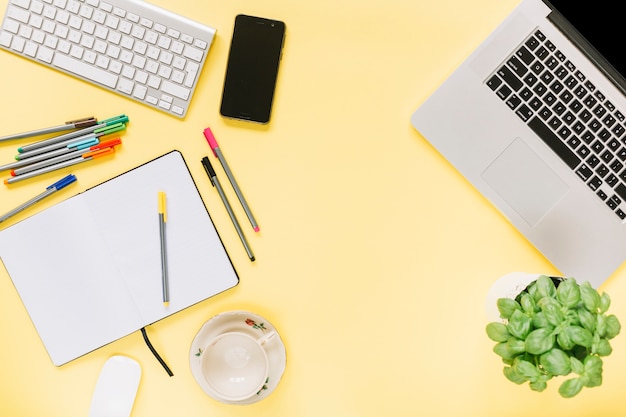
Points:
(252, 69)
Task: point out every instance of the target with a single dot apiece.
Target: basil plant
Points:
(554, 330)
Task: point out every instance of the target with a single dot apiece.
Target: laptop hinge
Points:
(586, 48)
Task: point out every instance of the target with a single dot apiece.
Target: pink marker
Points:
(218, 154)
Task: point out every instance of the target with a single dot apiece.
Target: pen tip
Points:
(252, 259)
(256, 229)
(6, 182)
(166, 303)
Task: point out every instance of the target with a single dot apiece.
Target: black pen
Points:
(208, 168)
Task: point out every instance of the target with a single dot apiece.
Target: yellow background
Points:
(374, 256)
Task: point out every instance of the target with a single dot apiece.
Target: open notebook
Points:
(88, 269)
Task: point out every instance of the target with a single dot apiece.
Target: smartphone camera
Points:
(272, 24)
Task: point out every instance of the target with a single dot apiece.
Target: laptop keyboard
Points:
(569, 113)
(130, 47)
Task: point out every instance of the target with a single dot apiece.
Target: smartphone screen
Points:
(252, 68)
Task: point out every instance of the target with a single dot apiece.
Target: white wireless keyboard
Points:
(131, 47)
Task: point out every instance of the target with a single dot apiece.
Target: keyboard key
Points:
(561, 149)
(503, 92)
(525, 55)
(5, 39)
(524, 112)
(85, 70)
(584, 172)
(507, 75)
(594, 183)
(18, 14)
(542, 53)
(621, 190)
(532, 43)
(175, 90)
(494, 82)
(193, 53)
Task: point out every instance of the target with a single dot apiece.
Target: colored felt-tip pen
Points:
(162, 220)
(208, 134)
(62, 183)
(74, 124)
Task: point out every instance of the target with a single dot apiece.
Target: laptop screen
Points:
(602, 26)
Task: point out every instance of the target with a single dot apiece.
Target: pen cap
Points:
(161, 202)
(208, 168)
(107, 130)
(63, 182)
(99, 153)
(211, 139)
(107, 144)
(122, 118)
(85, 122)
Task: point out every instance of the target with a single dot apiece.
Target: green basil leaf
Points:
(601, 324)
(540, 321)
(579, 335)
(497, 332)
(527, 369)
(506, 307)
(564, 341)
(539, 341)
(504, 351)
(552, 310)
(577, 366)
(545, 287)
(613, 327)
(603, 348)
(605, 303)
(519, 325)
(516, 346)
(528, 304)
(587, 320)
(568, 293)
(593, 371)
(512, 375)
(556, 362)
(538, 385)
(589, 297)
(570, 388)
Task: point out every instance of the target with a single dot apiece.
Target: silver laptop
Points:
(535, 119)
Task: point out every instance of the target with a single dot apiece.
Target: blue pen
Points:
(49, 191)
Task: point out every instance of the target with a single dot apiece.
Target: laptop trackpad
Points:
(525, 181)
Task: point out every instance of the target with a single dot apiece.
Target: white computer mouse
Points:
(116, 388)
